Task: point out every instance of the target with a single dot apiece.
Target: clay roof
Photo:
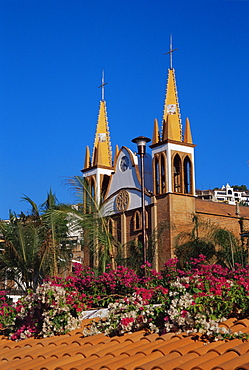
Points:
(216, 208)
(138, 351)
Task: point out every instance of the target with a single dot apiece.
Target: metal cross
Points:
(170, 52)
(102, 86)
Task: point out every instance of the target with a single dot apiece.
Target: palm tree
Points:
(217, 244)
(91, 216)
(33, 244)
(20, 260)
(190, 245)
(229, 250)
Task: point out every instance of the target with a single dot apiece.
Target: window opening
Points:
(187, 176)
(177, 174)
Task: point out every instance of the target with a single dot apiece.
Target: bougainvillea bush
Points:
(194, 300)
(48, 311)
(197, 299)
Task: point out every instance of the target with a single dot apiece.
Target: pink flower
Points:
(126, 320)
(184, 313)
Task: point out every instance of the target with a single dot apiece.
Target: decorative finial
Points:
(170, 52)
(102, 86)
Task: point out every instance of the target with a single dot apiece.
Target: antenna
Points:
(170, 52)
(102, 86)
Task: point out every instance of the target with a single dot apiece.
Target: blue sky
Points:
(51, 57)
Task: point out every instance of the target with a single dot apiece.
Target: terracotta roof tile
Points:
(163, 362)
(216, 208)
(113, 363)
(193, 347)
(224, 346)
(128, 352)
(87, 363)
(245, 322)
(237, 361)
(168, 346)
(206, 347)
(138, 359)
(228, 323)
(190, 364)
(239, 327)
(208, 365)
(242, 348)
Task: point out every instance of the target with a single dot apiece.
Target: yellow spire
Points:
(102, 142)
(99, 155)
(87, 158)
(171, 110)
(167, 128)
(95, 157)
(156, 135)
(187, 133)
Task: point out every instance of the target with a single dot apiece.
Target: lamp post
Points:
(141, 142)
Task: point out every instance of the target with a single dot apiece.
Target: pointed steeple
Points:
(116, 152)
(171, 105)
(172, 110)
(156, 134)
(187, 133)
(87, 158)
(167, 128)
(102, 140)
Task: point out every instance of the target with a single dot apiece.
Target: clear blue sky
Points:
(51, 57)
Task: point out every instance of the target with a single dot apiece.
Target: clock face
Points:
(171, 109)
(124, 163)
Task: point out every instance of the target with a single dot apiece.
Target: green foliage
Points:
(195, 301)
(134, 259)
(32, 244)
(240, 187)
(229, 252)
(216, 243)
(92, 216)
(189, 245)
(192, 249)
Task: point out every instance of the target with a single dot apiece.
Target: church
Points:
(169, 192)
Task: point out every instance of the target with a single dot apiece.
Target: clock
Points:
(171, 109)
(124, 163)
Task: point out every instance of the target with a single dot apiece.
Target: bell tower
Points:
(172, 150)
(173, 170)
(98, 167)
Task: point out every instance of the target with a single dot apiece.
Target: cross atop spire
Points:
(170, 52)
(103, 86)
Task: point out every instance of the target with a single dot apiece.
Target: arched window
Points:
(157, 176)
(177, 174)
(137, 221)
(92, 189)
(187, 175)
(110, 226)
(89, 194)
(163, 173)
(146, 220)
(104, 186)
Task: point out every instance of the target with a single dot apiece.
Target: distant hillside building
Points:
(226, 194)
(170, 195)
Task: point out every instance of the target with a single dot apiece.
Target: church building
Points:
(169, 182)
